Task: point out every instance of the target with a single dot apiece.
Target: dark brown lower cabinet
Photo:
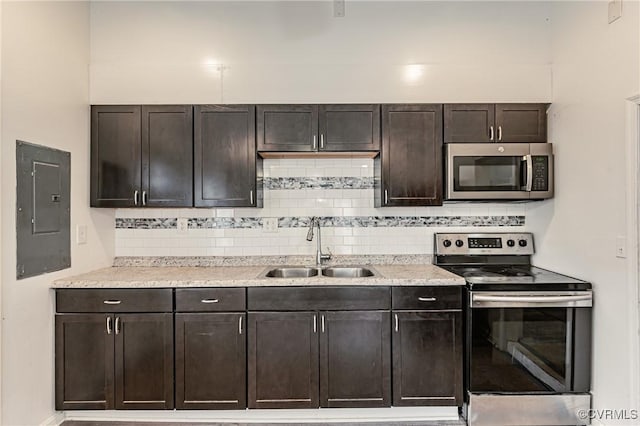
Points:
(144, 361)
(427, 358)
(211, 361)
(282, 360)
(355, 354)
(84, 362)
(106, 361)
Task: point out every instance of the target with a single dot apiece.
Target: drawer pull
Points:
(315, 325)
(108, 325)
(427, 299)
(240, 325)
(209, 300)
(322, 323)
(397, 325)
(117, 325)
(112, 302)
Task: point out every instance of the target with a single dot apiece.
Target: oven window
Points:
(520, 350)
(487, 173)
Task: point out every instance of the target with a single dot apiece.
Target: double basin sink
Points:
(329, 271)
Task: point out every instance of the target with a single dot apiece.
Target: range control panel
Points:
(489, 243)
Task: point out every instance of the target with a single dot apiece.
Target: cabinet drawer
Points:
(318, 298)
(210, 299)
(427, 298)
(114, 300)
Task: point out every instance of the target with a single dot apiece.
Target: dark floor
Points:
(107, 423)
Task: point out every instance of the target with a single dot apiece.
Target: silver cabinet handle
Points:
(135, 197)
(321, 140)
(427, 299)
(322, 323)
(491, 133)
(386, 196)
(315, 324)
(108, 325)
(397, 324)
(314, 142)
(251, 197)
(117, 325)
(112, 302)
(144, 198)
(499, 133)
(209, 301)
(240, 325)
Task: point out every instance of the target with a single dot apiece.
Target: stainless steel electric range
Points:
(528, 332)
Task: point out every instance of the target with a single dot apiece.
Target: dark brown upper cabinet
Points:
(312, 128)
(141, 156)
(227, 172)
(408, 171)
(486, 123)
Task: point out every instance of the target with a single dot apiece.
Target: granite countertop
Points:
(253, 275)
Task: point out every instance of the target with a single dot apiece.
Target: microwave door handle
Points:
(528, 160)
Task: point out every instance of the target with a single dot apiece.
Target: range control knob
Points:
(446, 243)
(511, 243)
(459, 243)
(522, 243)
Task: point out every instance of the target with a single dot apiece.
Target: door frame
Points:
(632, 142)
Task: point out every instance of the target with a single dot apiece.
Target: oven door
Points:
(498, 171)
(528, 342)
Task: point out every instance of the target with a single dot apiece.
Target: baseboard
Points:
(54, 420)
(324, 415)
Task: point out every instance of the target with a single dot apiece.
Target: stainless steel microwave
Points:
(494, 171)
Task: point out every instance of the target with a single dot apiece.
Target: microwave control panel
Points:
(540, 166)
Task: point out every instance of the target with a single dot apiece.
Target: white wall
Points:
(275, 52)
(595, 68)
(45, 100)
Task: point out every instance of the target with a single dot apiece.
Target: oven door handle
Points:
(518, 301)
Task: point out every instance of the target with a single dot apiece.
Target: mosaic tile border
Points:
(278, 183)
(327, 221)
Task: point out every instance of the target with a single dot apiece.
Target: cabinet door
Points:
(84, 362)
(144, 361)
(427, 358)
(469, 123)
(167, 155)
(411, 156)
(283, 360)
(287, 127)
(225, 156)
(355, 369)
(521, 122)
(349, 127)
(115, 156)
(211, 361)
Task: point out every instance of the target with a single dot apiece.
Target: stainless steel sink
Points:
(292, 272)
(347, 272)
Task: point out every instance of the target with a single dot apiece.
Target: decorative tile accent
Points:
(146, 223)
(276, 183)
(329, 221)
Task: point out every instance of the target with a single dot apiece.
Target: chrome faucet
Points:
(315, 222)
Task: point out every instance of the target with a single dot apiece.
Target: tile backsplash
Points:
(340, 191)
